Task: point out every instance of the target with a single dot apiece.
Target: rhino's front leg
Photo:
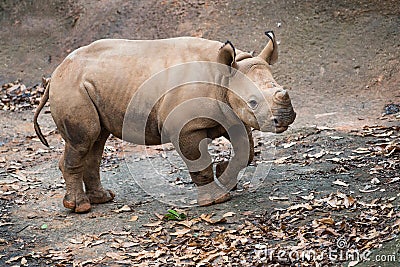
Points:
(193, 147)
(243, 146)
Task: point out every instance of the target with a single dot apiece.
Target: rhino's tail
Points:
(46, 84)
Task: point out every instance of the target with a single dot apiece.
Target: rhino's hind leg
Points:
(79, 125)
(91, 176)
(72, 168)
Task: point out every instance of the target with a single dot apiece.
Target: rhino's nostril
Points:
(275, 120)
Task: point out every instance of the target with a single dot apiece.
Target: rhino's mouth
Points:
(281, 129)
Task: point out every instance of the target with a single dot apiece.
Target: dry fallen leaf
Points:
(393, 180)
(244, 240)
(300, 206)
(396, 224)
(210, 256)
(335, 137)
(336, 159)
(121, 233)
(134, 218)
(181, 232)
(327, 220)
(317, 155)
(115, 256)
(352, 263)
(124, 208)
(282, 160)
(375, 181)
(361, 150)
(247, 213)
(159, 216)
(333, 202)
(157, 223)
(14, 259)
(96, 243)
(287, 145)
(340, 183)
(189, 223)
(228, 214)
(207, 218)
(276, 198)
(75, 241)
(331, 231)
(309, 197)
(129, 244)
(349, 201)
(278, 234)
(369, 190)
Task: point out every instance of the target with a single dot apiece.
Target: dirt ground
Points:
(334, 176)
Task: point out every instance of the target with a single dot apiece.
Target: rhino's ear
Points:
(270, 52)
(227, 55)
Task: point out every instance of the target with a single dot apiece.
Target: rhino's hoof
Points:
(207, 200)
(79, 205)
(82, 208)
(100, 196)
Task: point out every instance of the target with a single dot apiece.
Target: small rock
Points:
(392, 109)
(375, 181)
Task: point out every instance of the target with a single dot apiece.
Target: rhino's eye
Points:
(253, 104)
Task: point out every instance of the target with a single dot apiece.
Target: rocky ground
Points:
(324, 193)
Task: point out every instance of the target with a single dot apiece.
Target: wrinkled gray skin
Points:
(90, 93)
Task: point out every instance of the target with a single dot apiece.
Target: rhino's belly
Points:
(131, 127)
(133, 131)
(128, 120)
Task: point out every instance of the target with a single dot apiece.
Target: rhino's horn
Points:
(270, 52)
(281, 97)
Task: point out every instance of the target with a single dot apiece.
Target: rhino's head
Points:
(268, 107)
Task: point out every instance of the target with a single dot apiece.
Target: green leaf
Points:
(173, 215)
(44, 226)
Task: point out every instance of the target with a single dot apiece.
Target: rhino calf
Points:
(91, 94)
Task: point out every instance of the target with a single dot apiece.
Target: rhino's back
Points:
(157, 53)
(130, 62)
(111, 70)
